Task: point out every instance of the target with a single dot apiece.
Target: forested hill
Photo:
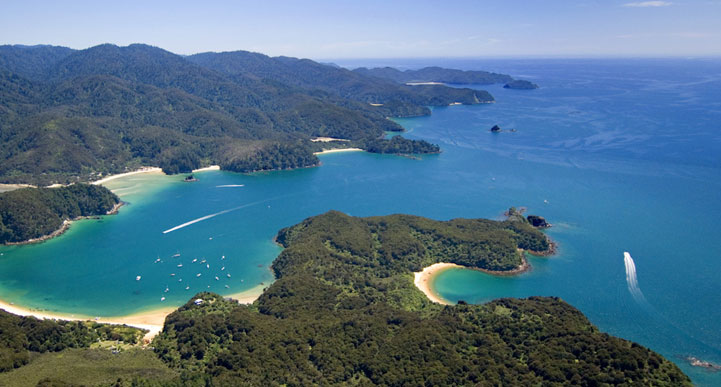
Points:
(67, 114)
(344, 311)
(31, 213)
(435, 74)
(405, 100)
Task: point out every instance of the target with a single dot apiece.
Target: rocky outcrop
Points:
(538, 221)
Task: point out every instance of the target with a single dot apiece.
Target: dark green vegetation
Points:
(344, 310)
(398, 145)
(91, 367)
(21, 338)
(30, 213)
(436, 74)
(67, 115)
(521, 85)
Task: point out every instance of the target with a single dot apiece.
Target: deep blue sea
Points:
(619, 155)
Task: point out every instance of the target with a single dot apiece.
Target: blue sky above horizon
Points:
(377, 29)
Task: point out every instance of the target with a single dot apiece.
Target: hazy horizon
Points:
(373, 29)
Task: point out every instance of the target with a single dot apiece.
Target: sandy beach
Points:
(423, 280)
(210, 168)
(326, 151)
(137, 171)
(248, 296)
(152, 320)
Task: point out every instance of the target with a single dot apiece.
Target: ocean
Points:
(620, 155)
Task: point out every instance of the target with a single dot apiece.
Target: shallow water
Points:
(617, 155)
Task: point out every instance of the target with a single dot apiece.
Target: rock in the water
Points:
(537, 221)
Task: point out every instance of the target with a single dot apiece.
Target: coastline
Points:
(209, 168)
(151, 320)
(326, 151)
(64, 227)
(135, 172)
(424, 278)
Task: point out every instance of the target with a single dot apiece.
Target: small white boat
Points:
(216, 278)
(172, 274)
(195, 260)
(227, 287)
(198, 275)
(228, 275)
(157, 260)
(176, 255)
(223, 257)
(187, 287)
(207, 265)
(162, 298)
(203, 261)
(222, 268)
(137, 278)
(180, 265)
(167, 289)
(180, 280)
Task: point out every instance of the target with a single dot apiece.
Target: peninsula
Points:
(344, 309)
(30, 215)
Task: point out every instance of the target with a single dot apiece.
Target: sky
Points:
(376, 29)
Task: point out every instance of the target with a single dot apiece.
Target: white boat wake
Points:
(229, 185)
(631, 279)
(206, 217)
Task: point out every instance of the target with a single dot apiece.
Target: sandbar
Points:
(326, 151)
(424, 278)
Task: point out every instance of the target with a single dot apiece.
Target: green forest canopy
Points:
(69, 115)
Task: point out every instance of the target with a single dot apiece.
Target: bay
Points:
(619, 155)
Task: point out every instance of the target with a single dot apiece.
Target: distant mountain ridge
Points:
(435, 74)
(68, 115)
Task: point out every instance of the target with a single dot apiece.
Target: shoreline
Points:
(135, 172)
(65, 226)
(208, 168)
(326, 151)
(424, 278)
(151, 320)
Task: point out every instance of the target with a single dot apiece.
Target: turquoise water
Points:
(618, 155)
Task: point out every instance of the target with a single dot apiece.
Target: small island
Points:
(520, 84)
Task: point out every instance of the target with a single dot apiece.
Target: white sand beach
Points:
(137, 171)
(210, 168)
(326, 151)
(423, 280)
(152, 320)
